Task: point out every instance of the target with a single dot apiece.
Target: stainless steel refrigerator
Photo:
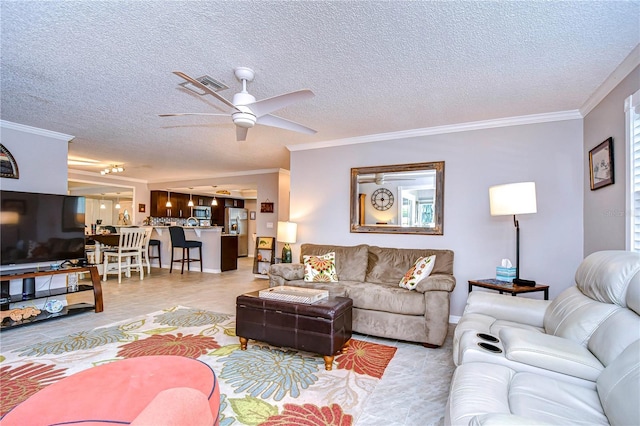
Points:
(235, 222)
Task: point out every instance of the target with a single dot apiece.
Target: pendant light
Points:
(190, 203)
(168, 205)
(102, 206)
(118, 201)
(214, 202)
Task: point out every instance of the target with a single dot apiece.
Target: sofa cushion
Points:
(418, 272)
(351, 262)
(388, 265)
(386, 298)
(320, 268)
(334, 289)
(619, 387)
(605, 275)
(575, 316)
(478, 388)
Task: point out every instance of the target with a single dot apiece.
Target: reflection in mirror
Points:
(398, 199)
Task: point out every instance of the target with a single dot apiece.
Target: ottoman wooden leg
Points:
(345, 348)
(328, 362)
(243, 343)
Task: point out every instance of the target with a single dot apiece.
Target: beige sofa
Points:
(370, 276)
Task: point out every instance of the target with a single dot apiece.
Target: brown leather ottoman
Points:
(323, 327)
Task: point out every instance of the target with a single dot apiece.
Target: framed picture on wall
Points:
(142, 208)
(601, 169)
(8, 165)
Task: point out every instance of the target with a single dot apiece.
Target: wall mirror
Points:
(399, 199)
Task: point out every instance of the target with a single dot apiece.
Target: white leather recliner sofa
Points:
(572, 360)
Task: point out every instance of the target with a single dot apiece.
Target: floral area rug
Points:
(263, 385)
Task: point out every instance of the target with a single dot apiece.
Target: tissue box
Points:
(505, 274)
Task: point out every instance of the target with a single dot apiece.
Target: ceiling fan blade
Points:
(274, 121)
(176, 114)
(203, 87)
(265, 106)
(241, 133)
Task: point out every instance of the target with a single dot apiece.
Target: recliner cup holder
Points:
(489, 347)
(488, 337)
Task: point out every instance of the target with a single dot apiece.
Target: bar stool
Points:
(156, 244)
(178, 240)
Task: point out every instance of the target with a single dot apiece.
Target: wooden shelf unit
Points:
(70, 309)
(264, 257)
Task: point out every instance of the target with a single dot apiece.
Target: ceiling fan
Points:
(381, 178)
(246, 111)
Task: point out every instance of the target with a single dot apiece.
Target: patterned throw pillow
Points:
(320, 268)
(418, 272)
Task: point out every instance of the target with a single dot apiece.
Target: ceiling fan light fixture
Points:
(244, 119)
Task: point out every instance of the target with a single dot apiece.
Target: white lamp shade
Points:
(287, 232)
(513, 198)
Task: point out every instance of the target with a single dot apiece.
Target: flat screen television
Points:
(40, 227)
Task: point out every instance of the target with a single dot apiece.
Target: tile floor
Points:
(413, 390)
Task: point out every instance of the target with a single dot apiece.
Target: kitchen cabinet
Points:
(229, 253)
(180, 205)
(233, 202)
(158, 204)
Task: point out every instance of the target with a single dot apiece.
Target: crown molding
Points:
(623, 70)
(439, 130)
(35, 130)
(225, 175)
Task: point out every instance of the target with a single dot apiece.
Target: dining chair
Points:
(178, 240)
(145, 246)
(128, 254)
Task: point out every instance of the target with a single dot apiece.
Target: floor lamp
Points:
(513, 199)
(287, 235)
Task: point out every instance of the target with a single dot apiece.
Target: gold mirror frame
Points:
(359, 203)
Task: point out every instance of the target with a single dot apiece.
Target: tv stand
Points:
(70, 309)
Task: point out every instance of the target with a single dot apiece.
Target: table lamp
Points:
(513, 199)
(287, 235)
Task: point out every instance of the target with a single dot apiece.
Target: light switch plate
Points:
(270, 225)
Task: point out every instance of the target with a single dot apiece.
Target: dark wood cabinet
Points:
(180, 205)
(233, 202)
(229, 253)
(217, 215)
(158, 204)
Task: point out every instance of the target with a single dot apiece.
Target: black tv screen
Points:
(40, 227)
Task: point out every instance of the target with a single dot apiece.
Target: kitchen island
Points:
(212, 247)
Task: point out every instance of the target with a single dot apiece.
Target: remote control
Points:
(525, 283)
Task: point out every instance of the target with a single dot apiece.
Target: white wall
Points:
(41, 156)
(548, 153)
(605, 212)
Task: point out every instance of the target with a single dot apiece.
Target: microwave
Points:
(201, 212)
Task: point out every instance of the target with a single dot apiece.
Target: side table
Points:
(507, 287)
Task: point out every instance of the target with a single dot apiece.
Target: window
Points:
(632, 112)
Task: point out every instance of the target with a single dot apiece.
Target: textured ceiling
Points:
(102, 71)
